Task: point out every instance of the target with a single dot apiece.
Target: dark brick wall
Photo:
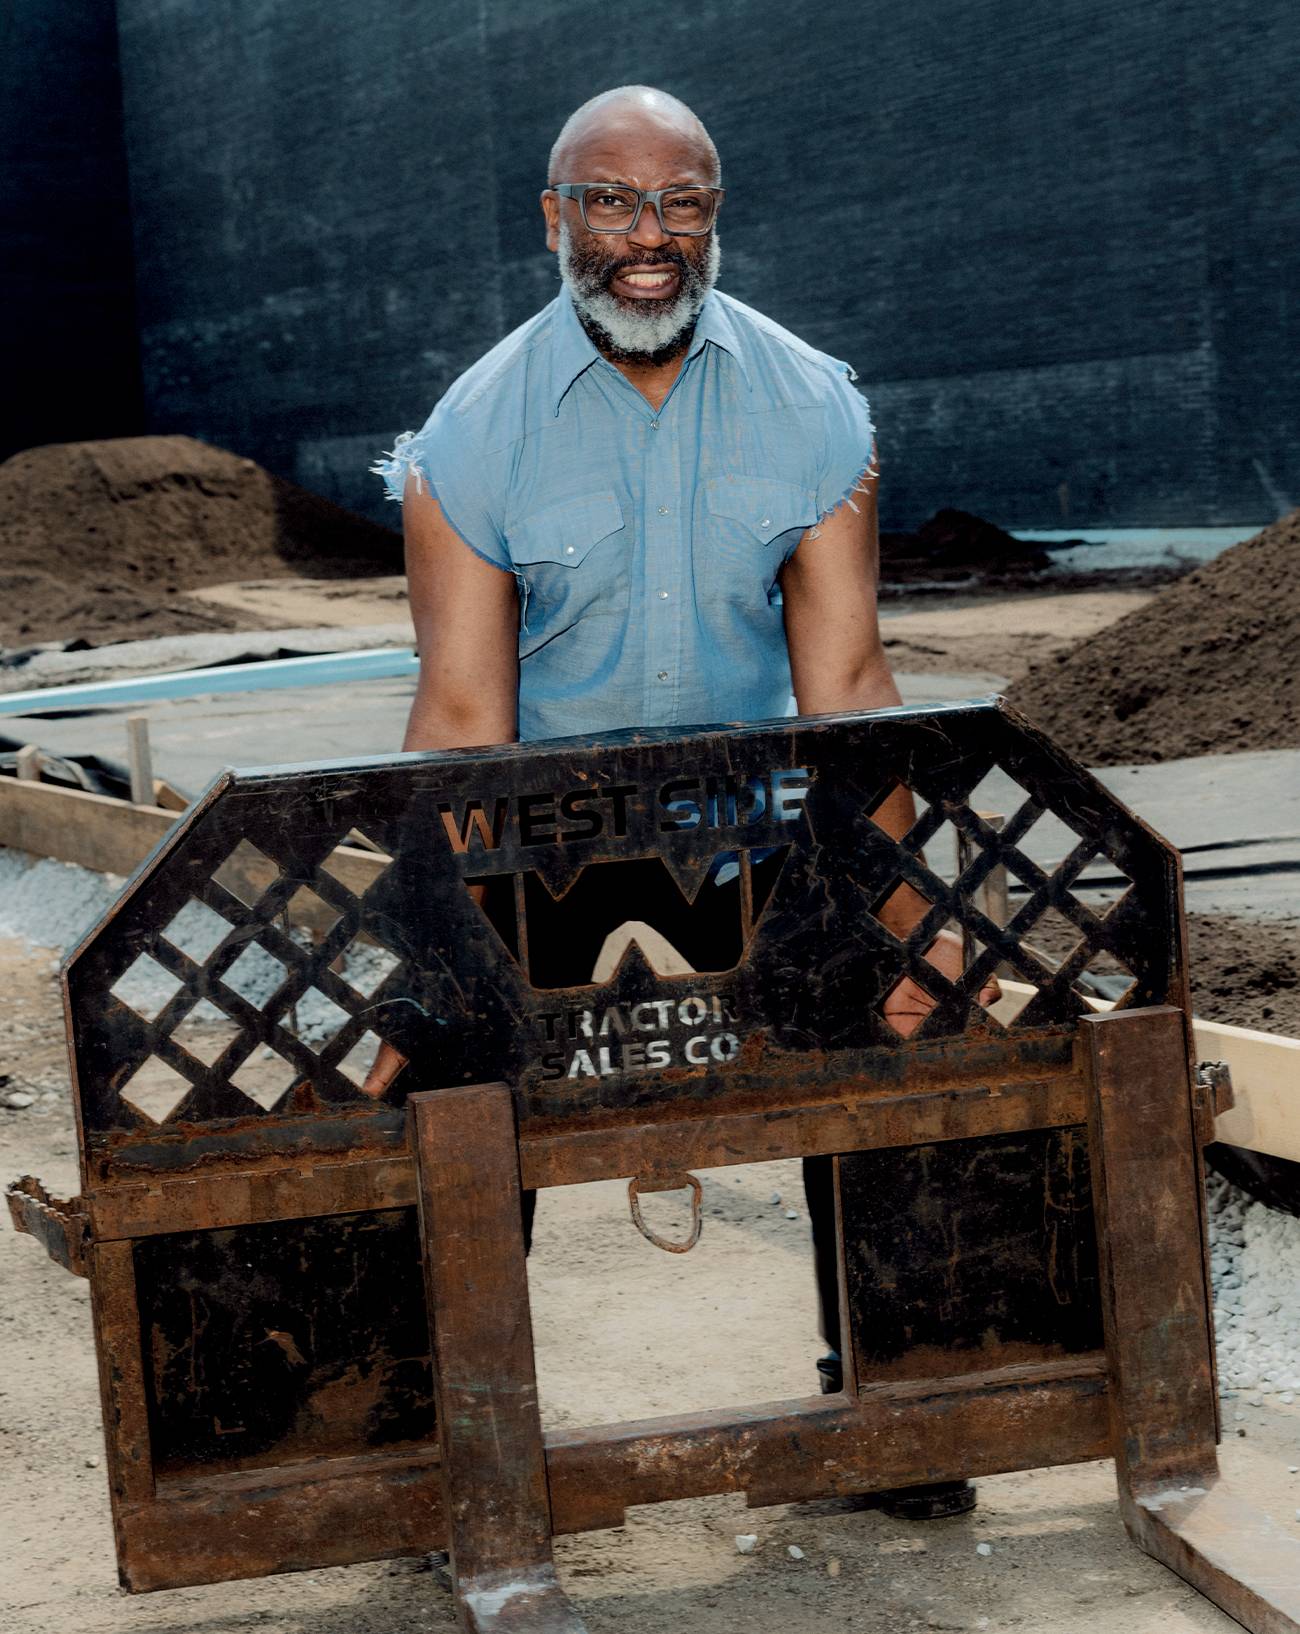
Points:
(1058, 242)
(68, 363)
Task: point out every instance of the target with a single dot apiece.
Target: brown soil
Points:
(1208, 667)
(102, 540)
(1243, 972)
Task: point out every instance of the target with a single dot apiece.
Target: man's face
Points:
(643, 289)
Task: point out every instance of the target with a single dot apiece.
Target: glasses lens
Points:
(609, 209)
(688, 209)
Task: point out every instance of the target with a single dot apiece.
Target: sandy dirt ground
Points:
(939, 633)
(298, 603)
(622, 1331)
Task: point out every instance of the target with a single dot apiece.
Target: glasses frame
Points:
(644, 196)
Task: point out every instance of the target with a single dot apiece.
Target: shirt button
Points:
(663, 674)
(569, 549)
(663, 595)
(654, 425)
(663, 510)
(766, 522)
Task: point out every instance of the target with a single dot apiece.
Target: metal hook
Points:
(667, 1183)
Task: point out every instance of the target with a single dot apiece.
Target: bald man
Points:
(649, 506)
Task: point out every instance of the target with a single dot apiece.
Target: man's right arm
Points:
(466, 617)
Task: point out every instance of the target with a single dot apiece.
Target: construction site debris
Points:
(1208, 666)
(134, 523)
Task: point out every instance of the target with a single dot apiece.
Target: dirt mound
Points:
(1208, 666)
(954, 544)
(101, 540)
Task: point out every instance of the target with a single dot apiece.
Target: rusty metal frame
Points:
(813, 1068)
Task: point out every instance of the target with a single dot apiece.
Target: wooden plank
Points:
(27, 764)
(1265, 1069)
(489, 1425)
(73, 825)
(1265, 1116)
(114, 836)
(140, 760)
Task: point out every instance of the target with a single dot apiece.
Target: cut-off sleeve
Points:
(850, 451)
(454, 476)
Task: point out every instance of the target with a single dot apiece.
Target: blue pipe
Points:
(376, 664)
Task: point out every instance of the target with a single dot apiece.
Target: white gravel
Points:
(1255, 1265)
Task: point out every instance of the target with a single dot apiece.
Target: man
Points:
(648, 506)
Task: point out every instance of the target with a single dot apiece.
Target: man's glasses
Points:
(683, 212)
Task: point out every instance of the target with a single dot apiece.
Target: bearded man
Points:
(649, 506)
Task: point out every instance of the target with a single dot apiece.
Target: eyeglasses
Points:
(684, 212)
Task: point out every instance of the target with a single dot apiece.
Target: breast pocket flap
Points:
(566, 532)
(764, 505)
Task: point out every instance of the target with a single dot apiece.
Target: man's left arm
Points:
(837, 662)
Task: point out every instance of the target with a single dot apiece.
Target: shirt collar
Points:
(572, 352)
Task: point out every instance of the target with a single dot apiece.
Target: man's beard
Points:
(636, 331)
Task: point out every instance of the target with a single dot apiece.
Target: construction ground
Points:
(622, 1330)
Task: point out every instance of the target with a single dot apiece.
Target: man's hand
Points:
(908, 1005)
(386, 1066)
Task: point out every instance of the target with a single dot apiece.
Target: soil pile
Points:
(1208, 666)
(101, 540)
(954, 545)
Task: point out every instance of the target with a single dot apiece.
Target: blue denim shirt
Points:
(646, 544)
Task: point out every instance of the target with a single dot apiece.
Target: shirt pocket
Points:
(572, 560)
(752, 525)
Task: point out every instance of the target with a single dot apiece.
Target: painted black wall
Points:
(68, 358)
(1057, 241)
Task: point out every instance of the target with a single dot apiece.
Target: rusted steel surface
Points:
(60, 1226)
(489, 1422)
(456, 998)
(263, 1324)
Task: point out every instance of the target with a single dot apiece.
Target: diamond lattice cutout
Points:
(197, 931)
(256, 975)
(365, 965)
(155, 1090)
(206, 1033)
(877, 811)
(265, 1077)
(1053, 938)
(903, 1008)
(247, 873)
(354, 868)
(360, 1058)
(145, 987)
(314, 1019)
(1106, 977)
(309, 912)
(941, 852)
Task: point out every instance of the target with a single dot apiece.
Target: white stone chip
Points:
(795, 1552)
(984, 1549)
(746, 1542)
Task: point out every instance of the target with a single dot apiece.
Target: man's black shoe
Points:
(906, 1503)
(927, 1503)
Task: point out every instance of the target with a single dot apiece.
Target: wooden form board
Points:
(113, 836)
(1265, 1072)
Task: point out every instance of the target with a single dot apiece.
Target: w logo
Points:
(578, 936)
